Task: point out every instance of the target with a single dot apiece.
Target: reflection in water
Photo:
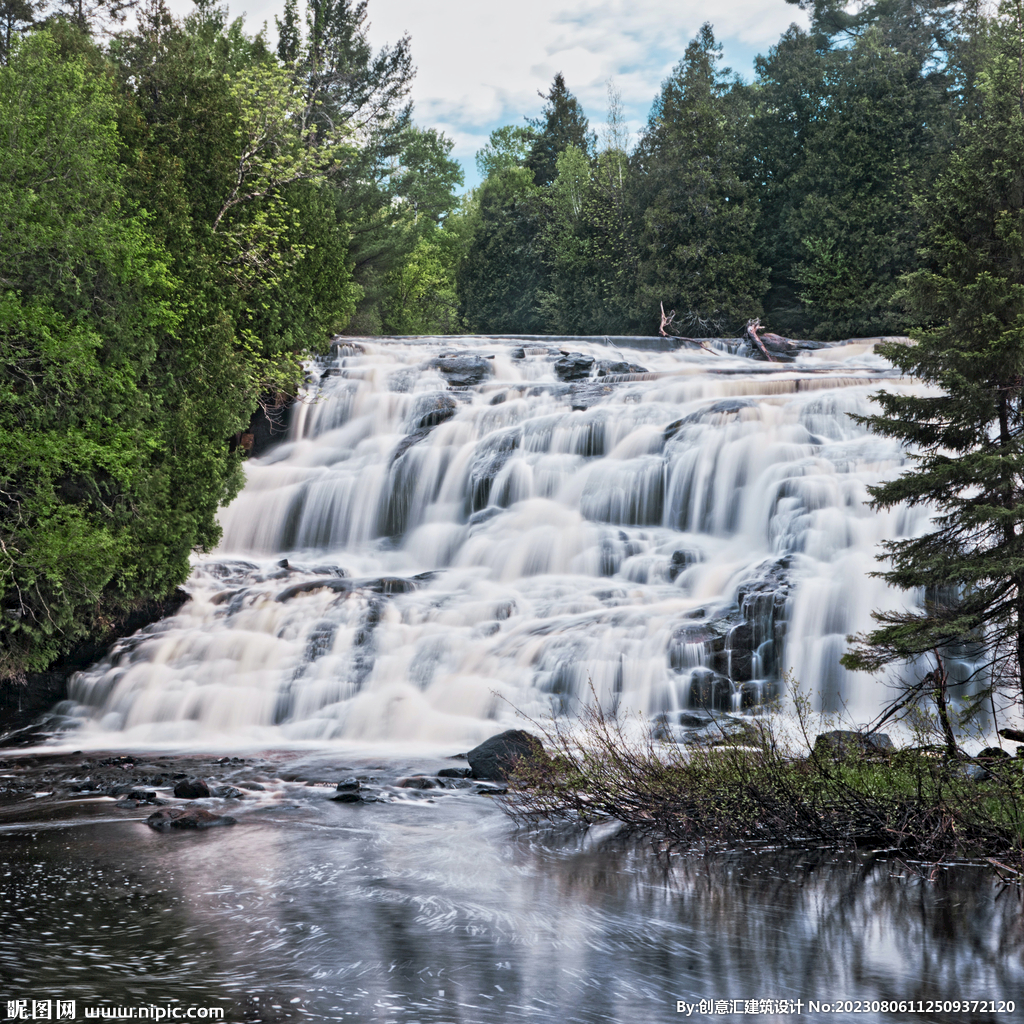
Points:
(433, 912)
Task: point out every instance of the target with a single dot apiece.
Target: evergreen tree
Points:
(289, 33)
(561, 124)
(968, 434)
(699, 247)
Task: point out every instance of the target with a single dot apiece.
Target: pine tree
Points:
(967, 434)
(561, 124)
(699, 242)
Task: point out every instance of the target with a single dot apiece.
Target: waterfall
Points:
(455, 529)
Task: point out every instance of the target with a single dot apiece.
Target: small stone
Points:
(181, 817)
(253, 786)
(418, 782)
(227, 793)
(348, 786)
(192, 789)
(455, 773)
(347, 797)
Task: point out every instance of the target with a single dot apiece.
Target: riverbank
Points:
(727, 782)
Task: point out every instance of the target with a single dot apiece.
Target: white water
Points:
(576, 537)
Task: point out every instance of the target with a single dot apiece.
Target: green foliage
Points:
(699, 245)
(562, 124)
(967, 432)
(508, 147)
(502, 275)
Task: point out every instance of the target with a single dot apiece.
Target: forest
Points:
(188, 209)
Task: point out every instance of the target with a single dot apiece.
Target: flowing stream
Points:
(454, 530)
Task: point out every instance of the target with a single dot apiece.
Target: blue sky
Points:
(481, 64)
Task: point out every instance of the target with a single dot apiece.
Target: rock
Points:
(573, 366)
(227, 793)
(419, 782)
(186, 817)
(1016, 735)
(348, 786)
(455, 773)
(253, 786)
(842, 743)
(191, 789)
(346, 797)
(992, 753)
(463, 371)
(146, 796)
(606, 366)
(435, 409)
(495, 758)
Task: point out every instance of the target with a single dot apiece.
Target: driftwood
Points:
(666, 320)
(753, 326)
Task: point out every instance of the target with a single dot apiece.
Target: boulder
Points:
(191, 789)
(454, 773)
(573, 366)
(496, 757)
(419, 782)
(186, 817)
(463, 371)
(842, 743)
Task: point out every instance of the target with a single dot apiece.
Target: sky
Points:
(482, 64)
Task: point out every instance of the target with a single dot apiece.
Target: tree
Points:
(699, 246)
(561, 124)
(15, 17)
(508, 146)
(967, 434)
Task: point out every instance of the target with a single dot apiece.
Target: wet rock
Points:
(841, 743)
(606, 366)
(455, 773)
(348, 786)
(435, 409)
(419, 782)
(495, 758)
(993, 753)
(347, 798)
(253, 787)
(143, 795)
(186, 818)
(573, 366)
(227, 793)
(191, 789)
(463, 371)
(681, 560)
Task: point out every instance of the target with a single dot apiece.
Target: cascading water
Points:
(457, 528)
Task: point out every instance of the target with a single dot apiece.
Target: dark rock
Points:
(692, 720)
(268, 425)
(143, 795)
(842, 743)
(495, 758)
(419, 782)
(463, 371)
(1016, 735)
(186, 817)
(455, 773)
(606, 366)
(573, 366)
(192, 789)
(435, 409)
(517, 353)
(227, 793)
(253, 786)
(348, 786)
(993, 753)
(347, 797)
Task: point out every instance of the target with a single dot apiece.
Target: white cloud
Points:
(482, 64)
